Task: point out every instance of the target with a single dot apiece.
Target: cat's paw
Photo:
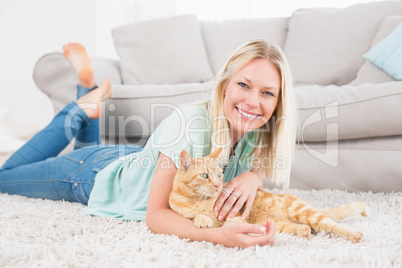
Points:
(304, 231)
(235, 219)
(202, 221)
(355, 237)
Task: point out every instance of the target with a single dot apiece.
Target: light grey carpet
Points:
(45, 233)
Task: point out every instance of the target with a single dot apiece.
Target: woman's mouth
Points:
(246, 115)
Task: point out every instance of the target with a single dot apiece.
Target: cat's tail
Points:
(342, 212)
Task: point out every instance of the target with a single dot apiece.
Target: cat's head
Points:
(200, 177)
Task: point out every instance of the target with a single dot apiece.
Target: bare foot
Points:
(78, 57)
(91, 102)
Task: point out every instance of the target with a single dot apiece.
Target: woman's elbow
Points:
(151, 220)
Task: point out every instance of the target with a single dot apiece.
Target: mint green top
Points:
(121, 189)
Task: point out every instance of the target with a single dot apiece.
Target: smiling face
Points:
(251, 97)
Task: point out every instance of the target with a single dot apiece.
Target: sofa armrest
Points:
(55, 77)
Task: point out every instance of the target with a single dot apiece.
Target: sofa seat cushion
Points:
(369, 73)
(136, 111)
(223, 37)
(325, 45)
(162, 51)
(349, 112)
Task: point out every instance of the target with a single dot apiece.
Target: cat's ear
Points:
(216, 153)
(185, 159)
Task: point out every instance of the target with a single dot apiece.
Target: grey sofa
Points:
(350, 115)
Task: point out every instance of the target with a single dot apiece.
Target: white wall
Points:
(28, 30)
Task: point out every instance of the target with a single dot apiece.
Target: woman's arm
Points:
(161, 219)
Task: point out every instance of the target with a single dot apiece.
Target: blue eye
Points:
(242, 85)
(268, 94)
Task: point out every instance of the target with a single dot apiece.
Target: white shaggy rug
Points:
(45, 233)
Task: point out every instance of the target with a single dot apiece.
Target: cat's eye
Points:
(204, 175)
(219, 175)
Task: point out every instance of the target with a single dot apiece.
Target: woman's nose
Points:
(252, 99)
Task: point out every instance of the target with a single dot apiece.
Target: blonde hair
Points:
(278, 136)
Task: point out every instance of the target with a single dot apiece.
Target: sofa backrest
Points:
(221, 38)
(325, 45)
(162, 51)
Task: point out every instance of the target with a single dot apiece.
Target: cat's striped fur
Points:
(194, 194)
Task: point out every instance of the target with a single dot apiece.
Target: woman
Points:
(251, 115)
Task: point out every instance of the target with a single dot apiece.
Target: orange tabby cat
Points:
(198, 183)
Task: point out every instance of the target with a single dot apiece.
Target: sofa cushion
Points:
(349, 112)
(136, 110)
(325, 45)
(369, 73)
(223, 37)
(162, 51)
(387, 55)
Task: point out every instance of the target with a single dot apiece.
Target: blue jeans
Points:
(36, 170)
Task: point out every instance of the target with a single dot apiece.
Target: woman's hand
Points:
(241, 190)
(235, 234)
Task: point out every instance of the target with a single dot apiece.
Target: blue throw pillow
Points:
(387, 55)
